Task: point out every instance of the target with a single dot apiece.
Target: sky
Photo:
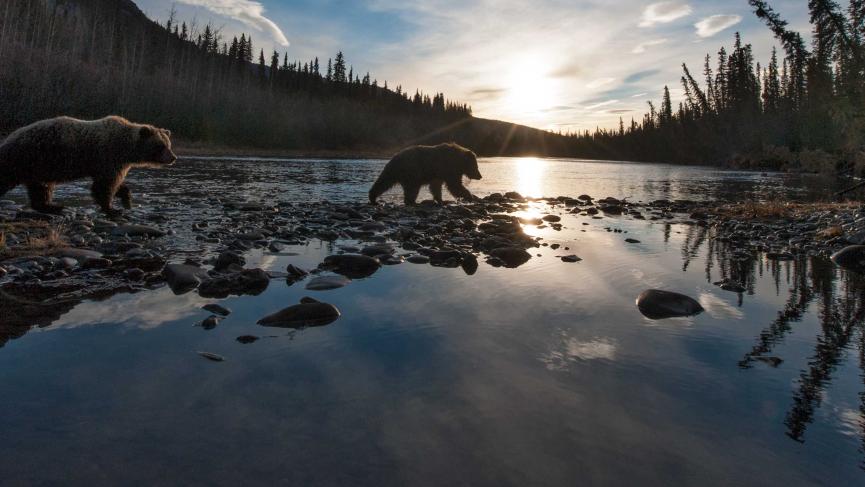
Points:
(567, 65)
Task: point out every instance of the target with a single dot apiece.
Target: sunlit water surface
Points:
(542, 375)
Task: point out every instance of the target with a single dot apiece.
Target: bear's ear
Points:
(166, 132)
(145, 132)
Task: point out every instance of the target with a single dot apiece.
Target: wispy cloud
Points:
(664, 12)
(641, 47)
(715, 24)
(602, 104)
(248, 12)
(600, 82)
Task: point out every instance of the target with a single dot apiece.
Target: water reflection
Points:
(542, 375)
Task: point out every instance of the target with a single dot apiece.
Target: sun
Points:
(529, 89)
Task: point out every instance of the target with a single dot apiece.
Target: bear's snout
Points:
(168, 158)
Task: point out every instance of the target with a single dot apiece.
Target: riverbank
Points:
(49, 263)
(186, 148)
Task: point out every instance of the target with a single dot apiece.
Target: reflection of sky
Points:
(543, 375)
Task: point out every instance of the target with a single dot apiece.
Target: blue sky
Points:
(553, 64)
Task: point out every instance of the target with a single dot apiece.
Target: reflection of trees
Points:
(839, 298)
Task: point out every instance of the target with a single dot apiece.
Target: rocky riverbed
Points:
(201, 248)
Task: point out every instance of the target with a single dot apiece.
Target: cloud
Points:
(716, 23)
(600, 82)
(664, 12)
(641, 47)
(247, 12)
(602, 104)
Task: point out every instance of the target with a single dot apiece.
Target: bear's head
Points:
(153, 146)
(470, 164)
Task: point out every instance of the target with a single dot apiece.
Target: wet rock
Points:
(295, 273)
(247, 339)
(779, 256)
(209, 323)
(570, 258)
(511, 256)
(354, 266)
(326, 283)
(376, 250)
(137, 231)
(308, 313)
(513, 195)
(656, 304)
(249, 282)
(612, 209)
(851, 258)
(552, 218)
(80, 255)
(134, 274)
(228, 259)
(216, 309)
(469, 264)
(442, 256)
(182, 278)
(276, 247)
(632, 240)
(731, 286)
(391, 260)
(212, 356)
(417, 259)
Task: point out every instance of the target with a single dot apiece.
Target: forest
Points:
(89, 58)
(800, 110)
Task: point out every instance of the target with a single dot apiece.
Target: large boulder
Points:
(309, 312)
(656, 304)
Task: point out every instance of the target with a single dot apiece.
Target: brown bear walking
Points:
(64, 149)
(420, 165)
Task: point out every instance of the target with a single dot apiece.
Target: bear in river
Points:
(64, 149)
(433, 165)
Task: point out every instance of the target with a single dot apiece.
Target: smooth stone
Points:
(354, 266)
(326, 283)
(137, 231)
(248, 281)
(851, 258)
(656, 304)
(209, 323)
(80, 255)
(511, 256)
(570, 258)
(212, 356)
(247, 339)
(469, 264)
(216, 309)
(632, 240)
(182, 278)
(418, 259)
(551, 218)
(308, 313)
(227, 259)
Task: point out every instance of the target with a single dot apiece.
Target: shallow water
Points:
(542, 375)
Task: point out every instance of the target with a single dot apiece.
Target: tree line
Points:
(90, 58)
(804, 108)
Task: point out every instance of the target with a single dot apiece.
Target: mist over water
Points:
(542, 375)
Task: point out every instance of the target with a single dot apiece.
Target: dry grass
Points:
(39, 238)
(771, 210)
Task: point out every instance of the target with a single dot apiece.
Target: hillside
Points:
(89, 58)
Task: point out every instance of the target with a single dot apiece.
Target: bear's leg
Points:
(435, 188)
(125, 196)
(456, 188)
(103, 191)
(410, 192)
(40, 197)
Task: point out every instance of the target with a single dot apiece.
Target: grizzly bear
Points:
(420, 165)
(65, 149)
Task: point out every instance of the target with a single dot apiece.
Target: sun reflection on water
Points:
(531, 173)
